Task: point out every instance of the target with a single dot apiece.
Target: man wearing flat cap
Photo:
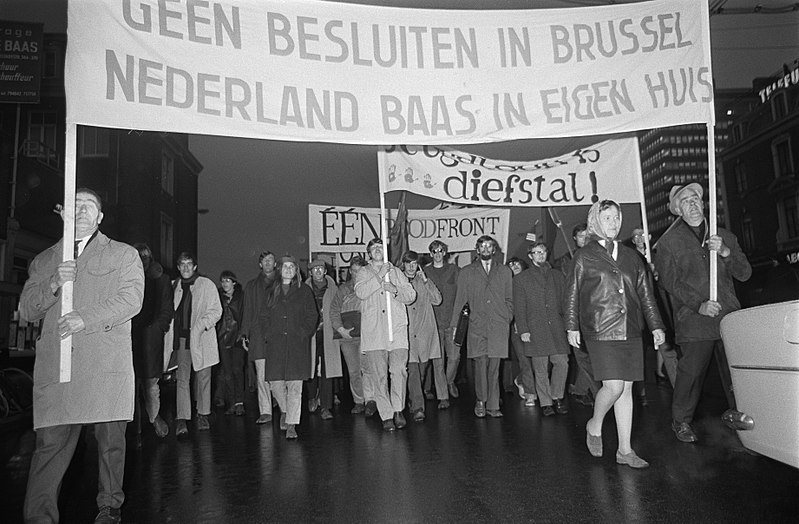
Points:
(683, 261)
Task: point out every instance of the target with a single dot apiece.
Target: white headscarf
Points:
(595, 226)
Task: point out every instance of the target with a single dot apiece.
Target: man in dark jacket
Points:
(683, 262)
(255, 295)
(538, 308)
(148, 328)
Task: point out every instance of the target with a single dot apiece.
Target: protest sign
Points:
(341, 229)
(324, 71)
(610, 169)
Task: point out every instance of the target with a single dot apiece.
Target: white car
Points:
(762, 346)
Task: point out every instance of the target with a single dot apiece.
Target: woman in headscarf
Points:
(290, 320)
(608, 296)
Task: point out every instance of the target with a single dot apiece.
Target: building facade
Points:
(678, 155)
(760, 167)
(148, 181)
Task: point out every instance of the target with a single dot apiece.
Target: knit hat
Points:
(677, 193)
(316, 263)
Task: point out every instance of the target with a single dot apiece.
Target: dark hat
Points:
(316, 263)
(677, 193)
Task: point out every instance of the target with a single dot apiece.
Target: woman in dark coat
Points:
(231, 353)
(147, 336)
(289, 321)
(607, 298)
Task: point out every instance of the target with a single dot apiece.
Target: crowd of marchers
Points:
(390, 337)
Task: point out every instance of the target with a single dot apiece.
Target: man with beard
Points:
(486, 284)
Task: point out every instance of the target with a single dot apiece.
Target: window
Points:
(791, 208)
(42, 127)
(53, 62)
(93, 141)
(737, 133)
(41, 142)
(779, 105)
(747, 234)
(740, 177)
(167, 235)
(168, 173)
(781, 154)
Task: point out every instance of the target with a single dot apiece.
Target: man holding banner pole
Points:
(384, 292)
(683, 262)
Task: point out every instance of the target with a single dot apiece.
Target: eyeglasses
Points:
(439, 250)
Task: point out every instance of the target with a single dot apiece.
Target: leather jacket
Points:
(609, 299)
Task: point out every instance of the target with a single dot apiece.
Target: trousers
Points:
(55, 446)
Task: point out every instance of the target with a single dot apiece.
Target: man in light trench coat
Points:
(108, 291)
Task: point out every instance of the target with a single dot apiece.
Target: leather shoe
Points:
(480, 409)
(388, 425)
(180, 427)
(161, 427)
(548, 411)
(263, 419)
(291, 432)
(418, 415)
(632, 460)
(453, 390)
(357, 409)
(283, 425)
(560, 406)
(737, 420)
(684, 432)
(429, 395)
(529, 401)
(494, 413)
(593, 443)
(238, 410)
(443, 404)
(203, 424)
(371, 408)
(399, 420)
(326, 414)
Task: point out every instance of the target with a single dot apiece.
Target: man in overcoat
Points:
(486, 284)
(107, 293)
(255, 296)
(682, 259)
(192, 336)
(538, 305)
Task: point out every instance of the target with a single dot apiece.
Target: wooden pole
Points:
(68, 253)
(644, 221)
(712, 199)
(383, 228)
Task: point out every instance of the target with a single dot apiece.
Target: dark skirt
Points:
(617, 359)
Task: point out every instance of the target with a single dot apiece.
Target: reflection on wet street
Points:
(451, 468)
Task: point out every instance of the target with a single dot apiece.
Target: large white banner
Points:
(608, 170)
(322, 71)
(340, 229)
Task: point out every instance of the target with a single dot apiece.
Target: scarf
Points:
(595, 227)
(183, 313)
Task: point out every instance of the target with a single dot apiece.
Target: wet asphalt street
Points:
(452, 467)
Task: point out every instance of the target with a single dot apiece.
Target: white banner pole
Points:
(383, 227)
(68, 248)
(712, 196)
(640, 181)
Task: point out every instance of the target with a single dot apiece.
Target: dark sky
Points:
(257, 192)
